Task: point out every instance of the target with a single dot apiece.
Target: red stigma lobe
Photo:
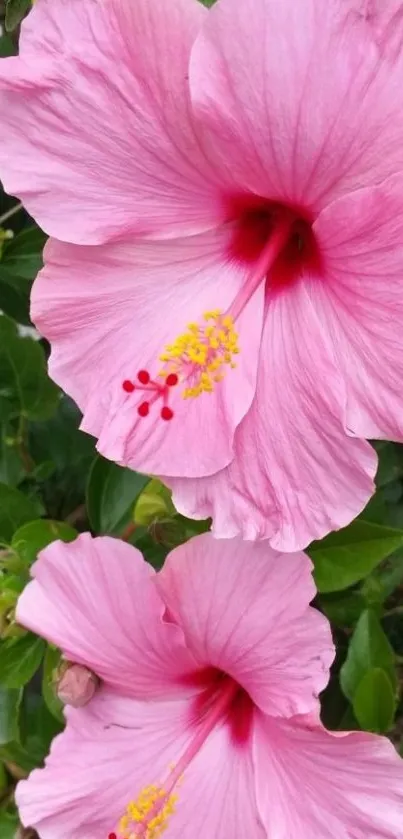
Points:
(166, 413)
(128, 386)
(143, 377)
(172, 380)
(144, 409)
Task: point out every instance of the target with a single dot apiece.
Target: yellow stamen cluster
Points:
(201, 354)
(147, 817)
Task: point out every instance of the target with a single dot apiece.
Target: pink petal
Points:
(96, 599)
(313, 783)
(217, 799)
(110, 311)
(361, 304)
(296, 475)
(386, 23)
(245, 610)
(297, 101)
(99, 101)
(110, 751)
(114, 748)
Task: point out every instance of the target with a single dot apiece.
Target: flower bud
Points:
(76, 685)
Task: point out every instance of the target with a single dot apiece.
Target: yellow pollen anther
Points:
(147, 817)
(199, 356)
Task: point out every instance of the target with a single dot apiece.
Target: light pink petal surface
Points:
(315, 784)
(385, 20)
(96, 599)
(114, 748)
(110, 311)
(245, 610)
(361, 304)
(297, 101)
(110, 751)
(99, 100)
(217, 797)
(296, 475)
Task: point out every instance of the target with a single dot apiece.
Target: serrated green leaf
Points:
(369, 648)
(10, 701)
(15, 509)
(112, 492)
(15, 12)
(20, 659)
(36, 535)
(347, 556)
(23, 378)
(374, 702)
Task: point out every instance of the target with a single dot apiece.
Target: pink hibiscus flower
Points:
(206, 722)
(230, 184)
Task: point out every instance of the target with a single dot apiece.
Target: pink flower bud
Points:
(76, 685)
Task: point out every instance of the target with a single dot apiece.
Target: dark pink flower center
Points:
(255, 222)
(222, 701)
(238, 713)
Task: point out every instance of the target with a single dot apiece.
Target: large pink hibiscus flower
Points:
(229, 185)
(206, 721)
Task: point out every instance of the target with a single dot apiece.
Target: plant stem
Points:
(10, 213)
(128, 531)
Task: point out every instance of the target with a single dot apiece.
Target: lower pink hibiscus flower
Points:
(206, 719)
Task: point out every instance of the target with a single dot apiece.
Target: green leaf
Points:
(15, 509)
(8, 825)
(10, 701)
(14, 302)
(71, 452)
(11, 466)
(374, 702)
(15, 12)
(390, 462)
(23, 377)
(385, 579)
(15, 753)
(347, 556)
(33, 537)
(112, 492)
(7, 46)
(369, 648)
(22, 255)
(21, 260)
(38, 726)
(20, 659)
(343, 609)
(50, 665)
